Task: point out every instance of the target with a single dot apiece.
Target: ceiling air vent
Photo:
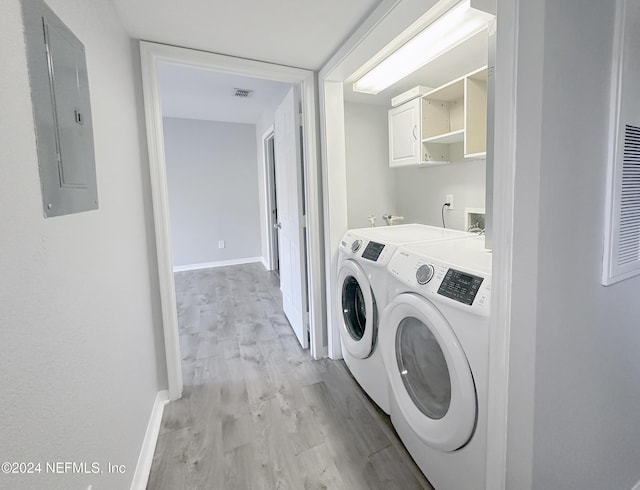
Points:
(242, 92)
(621, 258)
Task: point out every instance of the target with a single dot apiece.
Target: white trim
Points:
(636, 486)
(390, 19)
(313, 194)
(334, 181)
(219, 263)
(141, 474)
(152, 55)
(622, 109)
(266, 202)
(158, 173)
(264, 262)
(376, 31)
(608, 256)
(503, 212)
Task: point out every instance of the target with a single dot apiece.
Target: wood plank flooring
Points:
(257, 411)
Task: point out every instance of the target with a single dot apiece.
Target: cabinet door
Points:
(405, 134)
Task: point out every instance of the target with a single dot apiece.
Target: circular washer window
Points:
(423, 368)
(353, 308)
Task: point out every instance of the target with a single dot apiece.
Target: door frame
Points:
(269, 183)
(152, 54)
(390, 20)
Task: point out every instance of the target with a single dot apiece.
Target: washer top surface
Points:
(409, 233)
(469, 254)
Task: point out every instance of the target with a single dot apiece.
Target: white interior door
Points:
(288, 166)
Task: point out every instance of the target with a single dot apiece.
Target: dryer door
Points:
(358, 322)
(429, 372)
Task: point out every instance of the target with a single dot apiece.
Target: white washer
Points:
(363, 294)
(435, 345)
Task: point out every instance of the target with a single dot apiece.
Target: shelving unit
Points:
(452, 114)
(447, 138)
(475, 142)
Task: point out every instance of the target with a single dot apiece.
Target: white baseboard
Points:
(322, 352)
(636, 486)
(220, 263)
(141, 475)
(265, 263)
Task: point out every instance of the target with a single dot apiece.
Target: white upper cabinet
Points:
(405, 134)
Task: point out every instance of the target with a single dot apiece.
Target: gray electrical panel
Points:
(61, 111)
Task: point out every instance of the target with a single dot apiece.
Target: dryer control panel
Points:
(360, 248)
(373, 251)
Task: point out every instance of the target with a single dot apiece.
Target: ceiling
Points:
(299, 33)
(196, 93)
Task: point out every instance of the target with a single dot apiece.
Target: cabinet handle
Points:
(413, 131)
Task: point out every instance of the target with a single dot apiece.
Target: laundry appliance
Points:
(435, 345)
(363, 294)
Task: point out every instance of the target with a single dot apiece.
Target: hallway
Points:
(256, 411)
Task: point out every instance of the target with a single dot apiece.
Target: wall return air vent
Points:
(621, 258)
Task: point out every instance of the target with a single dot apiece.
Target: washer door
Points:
(358, 324)
(429, 372)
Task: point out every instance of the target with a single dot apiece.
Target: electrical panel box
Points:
(61, 111)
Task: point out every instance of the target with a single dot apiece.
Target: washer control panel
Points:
(460, 286)
(437, 280)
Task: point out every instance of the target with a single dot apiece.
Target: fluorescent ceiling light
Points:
(454, 27)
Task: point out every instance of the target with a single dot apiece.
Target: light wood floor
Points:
(257, 411)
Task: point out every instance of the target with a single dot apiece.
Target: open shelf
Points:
(457, 112)
(447, 138)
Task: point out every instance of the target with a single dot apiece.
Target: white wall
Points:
(587, 354)
(371, 184)
(422, 192)
(417, 193)
(212, 177)
(80, 322)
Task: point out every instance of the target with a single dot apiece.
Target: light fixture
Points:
(455, 26)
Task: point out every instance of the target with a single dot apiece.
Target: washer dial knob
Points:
(424, 274)
(355, 246)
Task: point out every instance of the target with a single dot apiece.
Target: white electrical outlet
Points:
(449, 200)
(221, 244)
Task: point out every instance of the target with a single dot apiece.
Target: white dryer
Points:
(363, 293)
(435, 346)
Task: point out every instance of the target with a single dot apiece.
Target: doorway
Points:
(356, 51)
(272, 200)
(152, 56)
